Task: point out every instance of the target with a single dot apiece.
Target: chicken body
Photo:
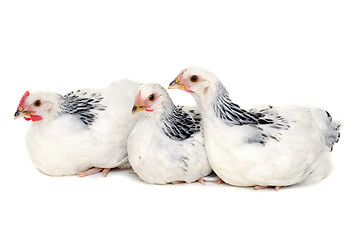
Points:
(241, 156)
(166, 145)
(273, 146)
(83, 129)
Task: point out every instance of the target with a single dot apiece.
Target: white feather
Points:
(244, 150)
(66, 146)
(300, 151)
(156, 158)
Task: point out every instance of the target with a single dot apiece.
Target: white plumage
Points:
(166, 145)
(273, 146)
(83, 129)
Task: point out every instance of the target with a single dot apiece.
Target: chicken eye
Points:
(37, 103)
(151, 98)
(194, 78)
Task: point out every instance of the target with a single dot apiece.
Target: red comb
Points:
(26, 94)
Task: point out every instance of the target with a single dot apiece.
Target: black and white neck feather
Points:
(232, 115)
(179, 124)
(83, 105)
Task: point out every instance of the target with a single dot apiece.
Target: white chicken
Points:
(274, 146)
(83, 132)
(166, 145)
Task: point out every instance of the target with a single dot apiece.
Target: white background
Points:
(265, 52)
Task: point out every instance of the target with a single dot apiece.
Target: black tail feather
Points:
(333, 133)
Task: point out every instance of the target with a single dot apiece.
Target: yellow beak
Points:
(20, 113)
(175, 84)
(137, 108)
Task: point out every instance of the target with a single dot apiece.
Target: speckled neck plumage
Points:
(180, 125)
(231, 114)
(82, 104)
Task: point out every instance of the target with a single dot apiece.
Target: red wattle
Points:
(35, 118)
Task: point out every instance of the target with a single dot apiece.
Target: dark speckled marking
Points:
(84, 107)
(232, 115)
(179, 125)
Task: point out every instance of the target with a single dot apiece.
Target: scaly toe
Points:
(106, 171)
(177, 182)
(90, 171)
(258, 187)
(219, 181)
(201, 181)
